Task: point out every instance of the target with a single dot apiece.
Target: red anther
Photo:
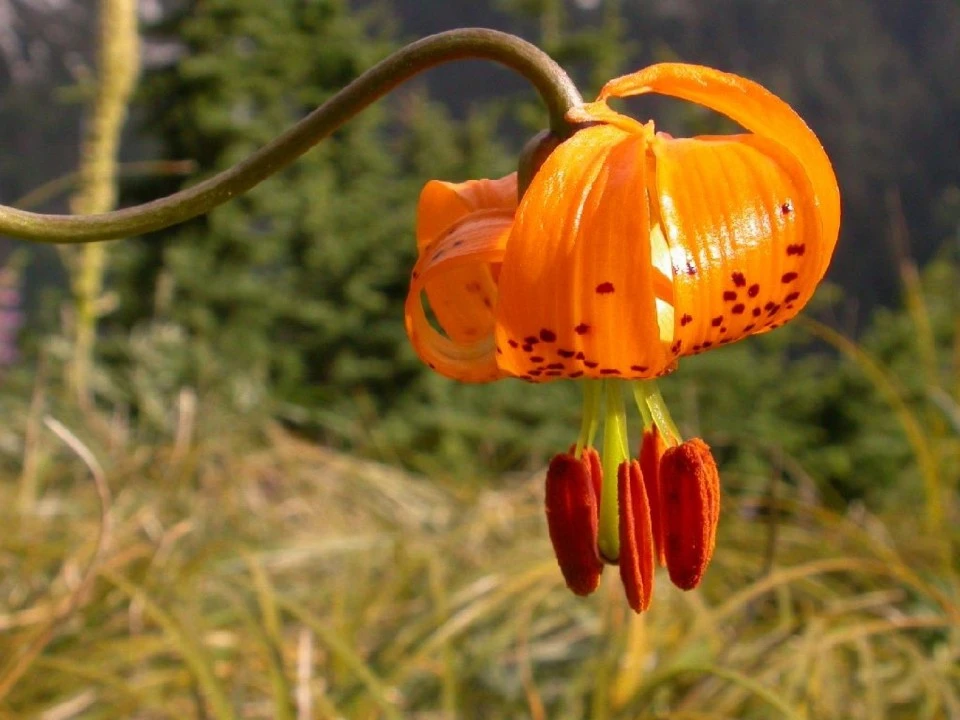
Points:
(651, 452)
(690, 508)
(592, 458)
(572, 519)
(636, 537)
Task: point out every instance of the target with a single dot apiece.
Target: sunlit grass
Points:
(251, 575)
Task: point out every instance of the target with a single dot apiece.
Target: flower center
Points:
(603, 400)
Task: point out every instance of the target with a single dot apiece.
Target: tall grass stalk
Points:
(117, 70)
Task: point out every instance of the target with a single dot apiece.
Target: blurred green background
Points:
(306, 522)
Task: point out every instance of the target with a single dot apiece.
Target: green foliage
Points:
(289, 300)
(292, 294)
(247, 572)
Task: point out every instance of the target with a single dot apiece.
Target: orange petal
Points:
(690, 501)
(759, 111)
(464, 317)
(577, 282)
(651, 451)
(636, 537)
(442, 203)
(601, 112)
(572, 519)
(477, 241)
(744, 233)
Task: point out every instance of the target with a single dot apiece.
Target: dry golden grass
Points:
(233, 574)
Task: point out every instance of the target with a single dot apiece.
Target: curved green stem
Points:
(553, 84)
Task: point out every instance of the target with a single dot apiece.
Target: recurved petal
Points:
(577, 283)
(601, 112)
(444, 203)
(740, 219)
(462, 299)
(759, 111)
(467, 250)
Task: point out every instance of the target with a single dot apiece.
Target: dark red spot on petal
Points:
(556, 366)
(582, 329)
(605, 288)
(553, 373)
(789, 277)
(566, 353)
(786, 208)
(639, 368)
(580, 356)
(773, 311)
(575, 375)
(548, 335)
(707, 344)
(717, 321)
(738, 309)
(757, 311)
(536, 358)
(723, 329)
(686, 320)
(754, 290)
(739, 280)
(798, 249)
(531, 340)
(513, 343)
(770, 304)
(590, 364)
(729, 295)
(675, 348)
(527, 348)
(610, 371)
(749, 327)
(691, 268)
(791, 297)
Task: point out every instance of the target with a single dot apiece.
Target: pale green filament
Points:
(614, 453)
(640, 399)
(653, 408)
(592, 391)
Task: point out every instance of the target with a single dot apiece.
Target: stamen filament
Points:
(614, 453)
(648, 394)
(640, 399)
(592, 392)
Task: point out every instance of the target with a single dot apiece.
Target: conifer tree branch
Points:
(553, 84)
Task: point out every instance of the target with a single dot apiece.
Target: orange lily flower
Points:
(629, 249)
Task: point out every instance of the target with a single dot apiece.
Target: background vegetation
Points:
(268, 508)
